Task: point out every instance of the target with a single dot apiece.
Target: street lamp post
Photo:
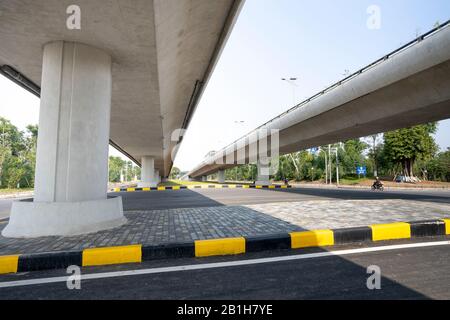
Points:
(326, 165)
(335, 149)
(238, 122)
(329, 164)
(291, 81)
(337, 167)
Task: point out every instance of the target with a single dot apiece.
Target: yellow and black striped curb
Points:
(209, 186)
(226, 246)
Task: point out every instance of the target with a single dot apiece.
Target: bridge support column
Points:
(221, 176)
(204, 178)
(263, 173)
(72, 149)
(157, 177)
(148, 177)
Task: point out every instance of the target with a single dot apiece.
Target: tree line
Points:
(411, 153)
(17, 155)
(123, 170)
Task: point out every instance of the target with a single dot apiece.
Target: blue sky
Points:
(315, 41)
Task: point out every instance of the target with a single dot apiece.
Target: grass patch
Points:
(353, 181)
(12, 191)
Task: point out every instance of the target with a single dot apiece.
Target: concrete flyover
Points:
(407, 87)
(131, 75)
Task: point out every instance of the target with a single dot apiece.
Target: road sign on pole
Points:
(361, 170)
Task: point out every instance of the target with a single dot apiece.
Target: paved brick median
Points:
(333, 214)
(159, 227)
(179, 225)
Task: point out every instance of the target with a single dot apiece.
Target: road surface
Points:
(406, 273)
(219, 197)
(5, 207)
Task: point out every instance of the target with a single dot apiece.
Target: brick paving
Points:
(159, 227)
(333, 214)
(180, 225)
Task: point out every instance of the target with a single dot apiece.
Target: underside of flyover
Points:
(132, 74)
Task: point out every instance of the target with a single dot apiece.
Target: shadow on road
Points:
(318, 278)
(169, 199)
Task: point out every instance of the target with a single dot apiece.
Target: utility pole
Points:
(374, 137)
(329, 163)
(337, 167)
(326, 164)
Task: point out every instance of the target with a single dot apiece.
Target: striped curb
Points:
(210, 186)
(225, 246)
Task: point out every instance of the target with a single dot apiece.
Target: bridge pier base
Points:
(221, 176)
(263, 174)
(72, 149)
(148, 173)
(157, 177)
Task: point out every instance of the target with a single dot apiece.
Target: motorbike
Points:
(377, 186)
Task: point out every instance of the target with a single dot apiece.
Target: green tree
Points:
(438, 168)
(174, 173)
(405, 146)
(17, 155)
(351, 156)
(116, 165)
(11, 137)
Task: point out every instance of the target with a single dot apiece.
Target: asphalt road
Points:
(407, 273)
(5, 207)
(220, 197)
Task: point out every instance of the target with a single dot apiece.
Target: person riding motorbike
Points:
(377, 184)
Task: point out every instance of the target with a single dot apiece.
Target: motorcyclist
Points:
(377, 184)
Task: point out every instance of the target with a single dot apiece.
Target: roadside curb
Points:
(138, 253)
(16, 195)
(210, 186)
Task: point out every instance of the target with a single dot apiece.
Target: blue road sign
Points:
(361, 170)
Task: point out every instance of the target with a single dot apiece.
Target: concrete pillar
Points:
(221, 176)
(204, 178)
(148, 177)
(157, 177)
(72, 149)
(263, 173)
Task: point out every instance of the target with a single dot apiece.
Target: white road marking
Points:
(222, 264)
